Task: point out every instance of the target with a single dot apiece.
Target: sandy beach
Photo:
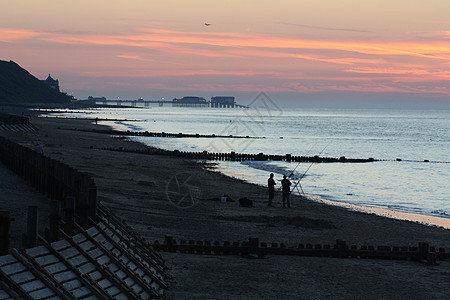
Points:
(140, 189)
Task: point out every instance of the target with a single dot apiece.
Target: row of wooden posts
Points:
(71, 193)
(340, 249)
(75, 193)
(167, 134)
(233, 156)
(227, 156)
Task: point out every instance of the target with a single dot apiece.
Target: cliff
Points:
(17, 85)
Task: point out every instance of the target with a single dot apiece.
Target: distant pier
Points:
(190, 101)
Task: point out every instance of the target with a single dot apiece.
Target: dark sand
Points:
(139, 188)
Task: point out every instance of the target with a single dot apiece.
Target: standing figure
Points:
(271, 184)
(286, 184)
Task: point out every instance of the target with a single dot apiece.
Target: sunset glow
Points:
(109, 49)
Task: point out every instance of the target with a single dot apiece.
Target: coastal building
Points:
(93, 101)
(102, 99)
(190, 101)
(223, 101)
(54, 84)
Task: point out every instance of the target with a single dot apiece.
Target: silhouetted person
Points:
(286, 184)
(271, 185)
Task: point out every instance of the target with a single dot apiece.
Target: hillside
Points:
(17, 85)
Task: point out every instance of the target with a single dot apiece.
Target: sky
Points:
(326, 53)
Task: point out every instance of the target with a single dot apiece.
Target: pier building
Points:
(223, 101)
(190, 101)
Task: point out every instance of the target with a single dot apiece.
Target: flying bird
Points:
(207, 24)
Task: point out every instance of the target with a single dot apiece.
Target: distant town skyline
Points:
(357, 53)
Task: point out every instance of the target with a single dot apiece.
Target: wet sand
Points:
(142, 189)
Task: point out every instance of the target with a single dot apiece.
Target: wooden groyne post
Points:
(69, 212)
(5, 232)
(53, 232)
(31, 237)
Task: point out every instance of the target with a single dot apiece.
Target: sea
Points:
(410, 178)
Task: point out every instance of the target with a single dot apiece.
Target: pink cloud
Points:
(282, 63)
(151, 38)
(13, 35)
(423, 73)
(176, 73)
(134, 57)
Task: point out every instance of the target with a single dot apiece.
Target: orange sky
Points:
(292, 49)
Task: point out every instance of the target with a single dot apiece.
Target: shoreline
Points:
(424, 219)
(428, 220)
(137, 188)
(388, 213)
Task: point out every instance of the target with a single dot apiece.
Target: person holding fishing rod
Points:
(297, 184)
(271, 185)
(286, 190)
(285, 187)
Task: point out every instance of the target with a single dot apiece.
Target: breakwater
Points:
(257, 249)
(54, 179)
(106, 261)
(97, 254)
(230, 156)
(233, 156)
(166, 134)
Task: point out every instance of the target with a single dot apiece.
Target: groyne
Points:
(340, 249)
(233, 156)
(86, 252)
(166, 134)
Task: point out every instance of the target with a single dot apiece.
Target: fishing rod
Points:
(303, 175)
(292, 173)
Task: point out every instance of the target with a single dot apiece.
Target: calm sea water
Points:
(410, 185)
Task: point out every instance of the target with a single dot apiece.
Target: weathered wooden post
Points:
(52, 234)
(253, 244)
(423, 250)
(59, 181)
(31, 237)
(168, 241)
(69, 181)
(342, 249)
(69, 211)
(92, 200)
(5, 232)
(82, 188)
(255, 250)
(51, 181)
(233, 155)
